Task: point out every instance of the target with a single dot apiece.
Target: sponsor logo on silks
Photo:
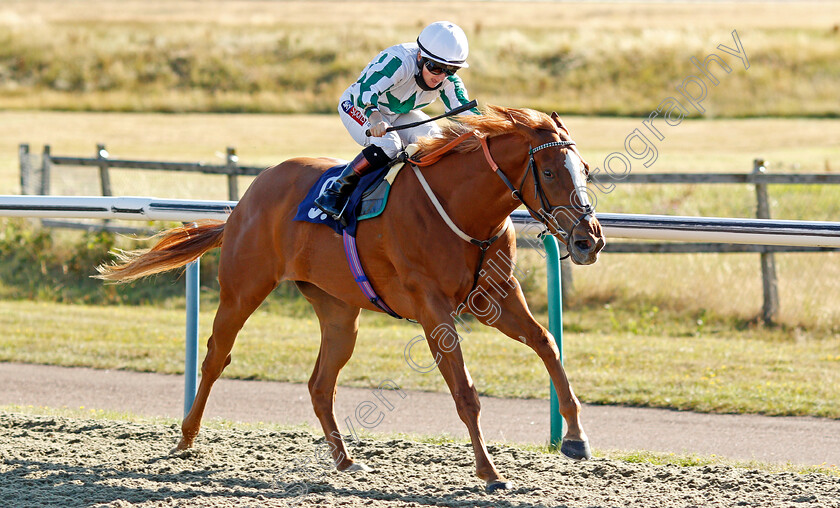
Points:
(354, 112)
(315, 211)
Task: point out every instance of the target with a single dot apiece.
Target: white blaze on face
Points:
(576, 169)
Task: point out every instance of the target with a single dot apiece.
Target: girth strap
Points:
(361, 279)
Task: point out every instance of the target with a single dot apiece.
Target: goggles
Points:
(437, 68)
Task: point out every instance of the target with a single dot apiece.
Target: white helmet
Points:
(444, 42)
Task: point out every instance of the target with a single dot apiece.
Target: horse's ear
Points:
(559, 122)
(520, 123)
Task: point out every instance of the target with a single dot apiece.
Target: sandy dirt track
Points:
(807, 441)
(52, 461)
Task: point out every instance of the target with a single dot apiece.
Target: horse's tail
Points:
(176, 248)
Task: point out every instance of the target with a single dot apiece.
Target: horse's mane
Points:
(495, 121)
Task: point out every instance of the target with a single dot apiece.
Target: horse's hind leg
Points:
(238, 298)
(339, 327)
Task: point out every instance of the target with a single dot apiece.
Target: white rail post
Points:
(104, 176)
(191, 357)
(233, 184)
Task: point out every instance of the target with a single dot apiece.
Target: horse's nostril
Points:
(583, 245)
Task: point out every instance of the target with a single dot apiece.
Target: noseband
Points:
(546, 212)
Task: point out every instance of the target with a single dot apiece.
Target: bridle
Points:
(546, 212)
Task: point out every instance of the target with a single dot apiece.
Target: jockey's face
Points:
(432, 80)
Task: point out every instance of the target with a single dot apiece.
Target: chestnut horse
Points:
(412, 257)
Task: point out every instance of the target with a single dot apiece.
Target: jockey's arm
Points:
(454, 94)
(385, 73)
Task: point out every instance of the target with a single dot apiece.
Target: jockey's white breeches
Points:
(392, 142)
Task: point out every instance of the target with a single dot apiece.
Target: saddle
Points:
(375, 197)
(368, 200)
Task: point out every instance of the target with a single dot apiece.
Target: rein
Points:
(438, 154)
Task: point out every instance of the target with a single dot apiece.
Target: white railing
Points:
(642, 227)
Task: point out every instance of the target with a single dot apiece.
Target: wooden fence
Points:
(101, 160)
(760, 179)
(33, 183)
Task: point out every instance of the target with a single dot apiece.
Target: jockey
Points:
(390, 91)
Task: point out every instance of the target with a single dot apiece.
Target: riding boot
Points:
(334, 198)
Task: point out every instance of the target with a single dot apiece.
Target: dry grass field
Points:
(297, 57)
(510, 14)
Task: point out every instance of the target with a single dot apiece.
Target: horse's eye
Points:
(548, 174)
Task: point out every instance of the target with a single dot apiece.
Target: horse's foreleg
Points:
(339, 327)
(446, 350)
(512, 317)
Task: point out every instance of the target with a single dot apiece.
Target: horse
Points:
(412, 255)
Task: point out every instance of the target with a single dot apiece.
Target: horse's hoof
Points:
(498, 485)
(577, 450)
(182, 446)
(357, 466)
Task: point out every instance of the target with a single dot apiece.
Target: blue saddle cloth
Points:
(308, 212)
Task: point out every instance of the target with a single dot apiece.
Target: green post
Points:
(555, 326)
